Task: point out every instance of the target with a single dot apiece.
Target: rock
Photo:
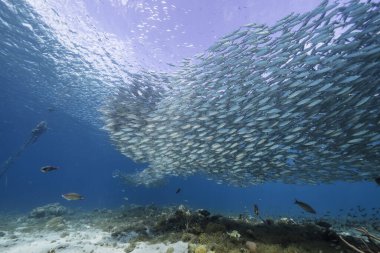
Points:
(51, 210)
(234, 234)
(56, 224)
(215, 227)
(200, 249)
(182, 208)
(251, 246)
(203, 212)
(188, 237)
(323, 224)
(287, 221)
(170, 250)
(124, 234)
(64, 234)
(130, 248)
(2, 234)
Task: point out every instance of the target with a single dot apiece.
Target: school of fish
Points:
(296, 102)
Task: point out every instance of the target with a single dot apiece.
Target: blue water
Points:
(87, 158)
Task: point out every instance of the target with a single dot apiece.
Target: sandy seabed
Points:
(86, 240)
(55, 229)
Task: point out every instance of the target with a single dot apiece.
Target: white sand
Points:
(87, 240)
(179, 247)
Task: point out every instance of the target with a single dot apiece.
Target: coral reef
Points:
(200, 230)
(221, 234)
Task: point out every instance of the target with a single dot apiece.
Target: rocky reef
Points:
(205, 232)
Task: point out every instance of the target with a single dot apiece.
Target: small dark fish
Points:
(178, 190)
(72, 196)
(257, 213)
(377, 180)
(48, 168)
(256, 210)
(305, 206)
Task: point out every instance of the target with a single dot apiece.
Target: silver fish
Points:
(295, 102)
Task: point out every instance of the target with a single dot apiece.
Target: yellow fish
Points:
(72, 196)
